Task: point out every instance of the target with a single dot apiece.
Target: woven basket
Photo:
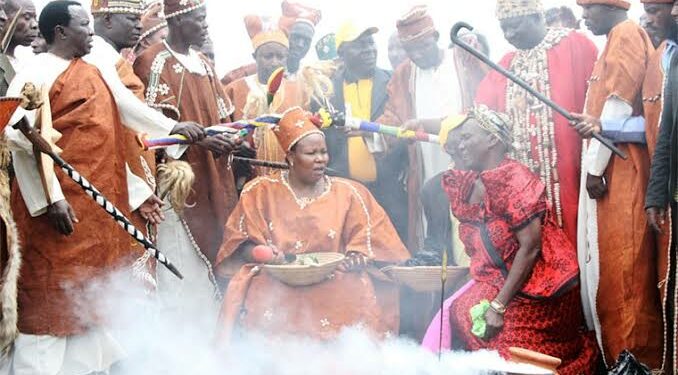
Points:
(298, 275)
(426, 279)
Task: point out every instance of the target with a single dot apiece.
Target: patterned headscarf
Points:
(495, 123)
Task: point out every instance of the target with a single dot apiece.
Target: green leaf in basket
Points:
(307, 260)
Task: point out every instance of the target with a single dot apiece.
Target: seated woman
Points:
(524, 270)
(303, 211)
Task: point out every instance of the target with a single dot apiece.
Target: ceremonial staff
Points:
(454, 36)
(262, 163)
(41, 144)
(323, 119)
(443, 280)
(347, 120)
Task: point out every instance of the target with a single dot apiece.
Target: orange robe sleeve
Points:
(237, 92)
(621, 68)
(244, 224)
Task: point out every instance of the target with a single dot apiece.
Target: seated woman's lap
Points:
(550, 326)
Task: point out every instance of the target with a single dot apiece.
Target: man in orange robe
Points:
(342, 218)
(619, 281)
(181, 82)
(119, 25)
(69, 241)
(249, 94)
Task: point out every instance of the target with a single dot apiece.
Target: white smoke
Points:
(158, 341)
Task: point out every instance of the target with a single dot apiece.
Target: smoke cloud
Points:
(158, 340)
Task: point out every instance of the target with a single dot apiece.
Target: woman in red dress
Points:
(522, 263)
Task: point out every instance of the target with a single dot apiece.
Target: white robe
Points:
(197, 294)
(437, 94)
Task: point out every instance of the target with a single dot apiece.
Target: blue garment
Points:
(628, 130)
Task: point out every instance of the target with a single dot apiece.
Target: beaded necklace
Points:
(533, 125)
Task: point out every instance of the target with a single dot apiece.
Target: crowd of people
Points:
(568, 244)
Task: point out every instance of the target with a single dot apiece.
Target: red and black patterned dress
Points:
(546, 315)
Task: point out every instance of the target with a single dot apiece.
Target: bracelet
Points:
(498, 307)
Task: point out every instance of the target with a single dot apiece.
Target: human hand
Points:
(494, 323)
(62, 217)
(354, 262)
(245, 150)
(221, 144)
(151, 210)
(412, 124)
(466, 58)
(190, 130)
(586, 125)
(596, 187)
(352, 132)
(656, 217)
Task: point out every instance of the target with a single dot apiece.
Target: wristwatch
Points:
(498, 307)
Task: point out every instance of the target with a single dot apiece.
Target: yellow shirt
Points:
(361, 163)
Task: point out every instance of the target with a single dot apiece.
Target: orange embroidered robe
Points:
(57, 269)
(187, 96)
(627, 301)
(345, 218)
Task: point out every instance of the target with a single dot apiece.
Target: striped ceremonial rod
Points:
(373, 127)
(174, 139)
(241, 128)
(345, 119)
(326, 119)
(262, 163)
(92, 191)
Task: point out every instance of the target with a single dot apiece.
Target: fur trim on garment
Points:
(10, 278)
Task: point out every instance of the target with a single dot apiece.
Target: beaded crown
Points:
(516, 8)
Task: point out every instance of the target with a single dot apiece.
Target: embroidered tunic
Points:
(193, 93)
(344, 218)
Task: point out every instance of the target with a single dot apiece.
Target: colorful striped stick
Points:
(178, 139)
(239, 128)
(345, 119)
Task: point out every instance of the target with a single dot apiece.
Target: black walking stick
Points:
(454, 36)
(41, 144)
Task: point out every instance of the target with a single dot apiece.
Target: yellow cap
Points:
(350, 31)
(450, 123)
